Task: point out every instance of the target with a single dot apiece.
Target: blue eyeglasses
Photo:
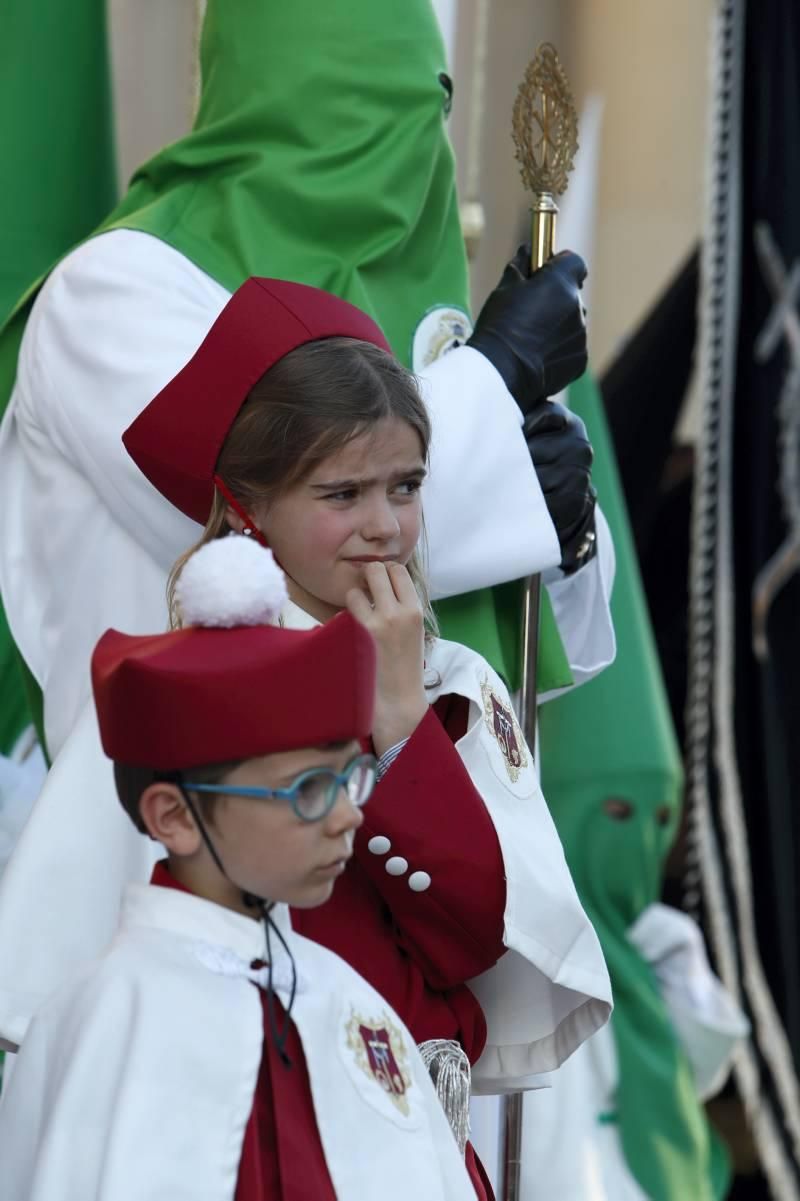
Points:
(313, 794)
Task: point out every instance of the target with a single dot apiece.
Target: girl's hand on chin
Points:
(390, 609)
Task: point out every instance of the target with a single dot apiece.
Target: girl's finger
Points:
(403, 585)
(379, 586)
(359, 606)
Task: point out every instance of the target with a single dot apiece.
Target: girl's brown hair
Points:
(309, 405)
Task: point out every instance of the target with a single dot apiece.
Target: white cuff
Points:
(486, 518)
(388, 757)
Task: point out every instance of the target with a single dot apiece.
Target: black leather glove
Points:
(562, 455)
(532, 327)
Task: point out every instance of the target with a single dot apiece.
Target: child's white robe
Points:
(136, 1081)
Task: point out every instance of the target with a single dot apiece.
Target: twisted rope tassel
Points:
(450, 1072)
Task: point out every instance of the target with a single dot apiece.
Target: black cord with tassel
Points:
(279, 1037)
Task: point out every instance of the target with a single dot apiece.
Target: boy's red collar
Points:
(164, 878)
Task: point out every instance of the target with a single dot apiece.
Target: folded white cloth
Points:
(707, 1020)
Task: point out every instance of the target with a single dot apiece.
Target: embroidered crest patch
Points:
(439, 331)
(381, 1054)
(504, 727)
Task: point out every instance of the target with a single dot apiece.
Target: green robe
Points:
(614, 739)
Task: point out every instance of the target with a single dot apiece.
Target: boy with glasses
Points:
(212, 1053)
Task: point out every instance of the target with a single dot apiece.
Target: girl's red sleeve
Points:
(437, 824)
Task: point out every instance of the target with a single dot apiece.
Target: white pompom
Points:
(231, 581)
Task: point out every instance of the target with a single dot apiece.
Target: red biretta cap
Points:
(204, 695)
(201, 696)
(177, 439)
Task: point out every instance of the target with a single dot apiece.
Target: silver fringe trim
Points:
(450, 1072)
(711, 650)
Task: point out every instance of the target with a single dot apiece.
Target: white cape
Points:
(137, 1080)
(551, 990)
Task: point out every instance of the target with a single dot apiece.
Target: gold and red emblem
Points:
(381, 1054)
(504, 727)
(440, 330)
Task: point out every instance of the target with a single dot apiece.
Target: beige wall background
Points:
(153, 54)
(647, 60)
(649, 63)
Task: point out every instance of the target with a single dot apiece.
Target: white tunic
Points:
(137, 1079)
(547, 994)
(86, 542)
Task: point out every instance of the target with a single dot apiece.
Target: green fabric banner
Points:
(59, 181)
(58, 151)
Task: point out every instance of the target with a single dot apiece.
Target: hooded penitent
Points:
(319, 154)
(612, 777)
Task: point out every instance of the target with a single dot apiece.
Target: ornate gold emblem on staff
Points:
(545, 133)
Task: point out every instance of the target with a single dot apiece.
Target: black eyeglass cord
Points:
(279, 1036)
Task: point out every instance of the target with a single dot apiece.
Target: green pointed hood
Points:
(319, 153)
(612, 777)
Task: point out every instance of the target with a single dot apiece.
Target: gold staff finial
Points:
(545, 133)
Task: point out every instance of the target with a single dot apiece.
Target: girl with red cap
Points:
(293, 424)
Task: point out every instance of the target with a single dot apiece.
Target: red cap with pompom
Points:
(177, 439)
(233, 687)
